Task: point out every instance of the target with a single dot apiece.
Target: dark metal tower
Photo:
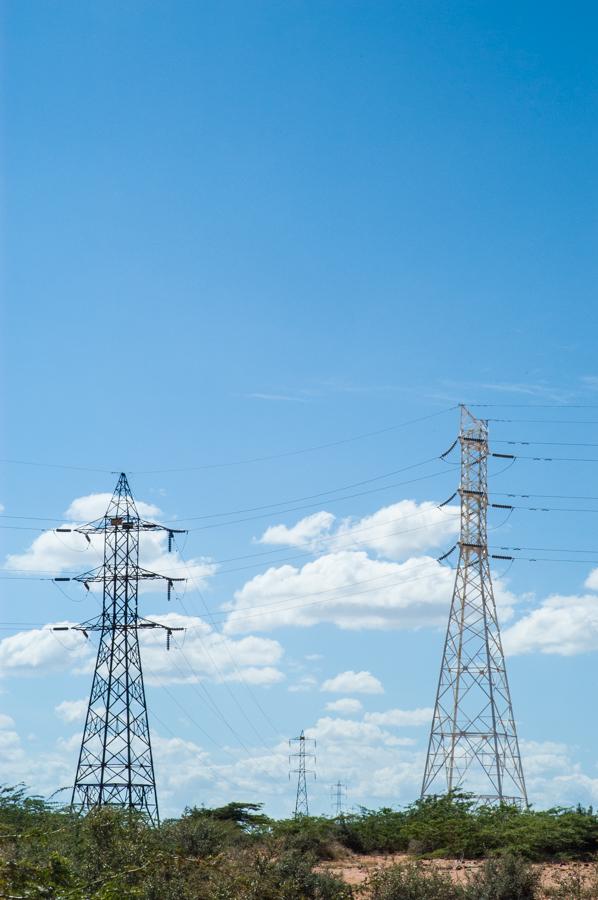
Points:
(301, 755)
(115, 765)
(473, 740)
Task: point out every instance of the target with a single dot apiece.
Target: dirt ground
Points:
(354, 870)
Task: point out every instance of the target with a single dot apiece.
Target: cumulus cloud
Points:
(394, 531)
(304, 684)
(348, 589)
(401, 717)
(591, 581)
(353, 683)
(56, 553)
(303, 534)
(199, 653)
(71, 710)
(202, 653)
(346, 705)
(564, 625)
(42, 650)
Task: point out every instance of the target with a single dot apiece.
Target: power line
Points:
(234, 662)
(344, 596)
(329, 501)
(544, 496)
(574, 459)
(239, 462)
(546, 421)
(222, 680)
(547, 443)
(276, 604)
(324, 539)
(277, 512)
(233, 512)
(535, 405)
(311, 449)
(547, 550)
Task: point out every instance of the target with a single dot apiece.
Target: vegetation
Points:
(235, 852)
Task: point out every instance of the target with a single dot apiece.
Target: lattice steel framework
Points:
(473, 743)
(302, 754)
(338, 797)
(115, 765)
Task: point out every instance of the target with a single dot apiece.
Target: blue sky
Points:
(235, 230)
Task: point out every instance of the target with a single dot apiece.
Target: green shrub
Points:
(506, 878)
(574, 885)
(313, 835)
(411, 882)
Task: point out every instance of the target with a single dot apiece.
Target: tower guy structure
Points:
(473, 743)
(301, 751)
(115, 765)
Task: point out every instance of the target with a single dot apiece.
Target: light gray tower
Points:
(338, 797)
(302, 753)
(473, 743)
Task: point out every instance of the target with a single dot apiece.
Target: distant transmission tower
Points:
(302, 753)
(473, 740)
(115, 763)
(338, 796)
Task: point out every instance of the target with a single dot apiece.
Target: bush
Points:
(411, 882)
(506, 878)
(575, 885)
(317, 836)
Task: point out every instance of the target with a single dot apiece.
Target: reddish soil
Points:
(355, 870)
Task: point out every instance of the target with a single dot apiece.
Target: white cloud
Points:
(71, 710)
(401, 717)
(384, 532)
(202, 653)
(199, 653)
(256, 675)
(346, 705)
(394, 531)
(353, 683)
(591, 581)
(54, 553)
(564, 625)
(304, 533)
(305, 683)
(42, 650)
(348, 589)
(330, 728)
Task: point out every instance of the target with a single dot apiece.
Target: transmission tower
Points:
(473, 740)
(115, 765)
(338, 797)
(302, 753)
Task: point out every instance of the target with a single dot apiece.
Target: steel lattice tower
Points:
(301, 755)
(115, 765)
(473, 740)
(338, 795)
